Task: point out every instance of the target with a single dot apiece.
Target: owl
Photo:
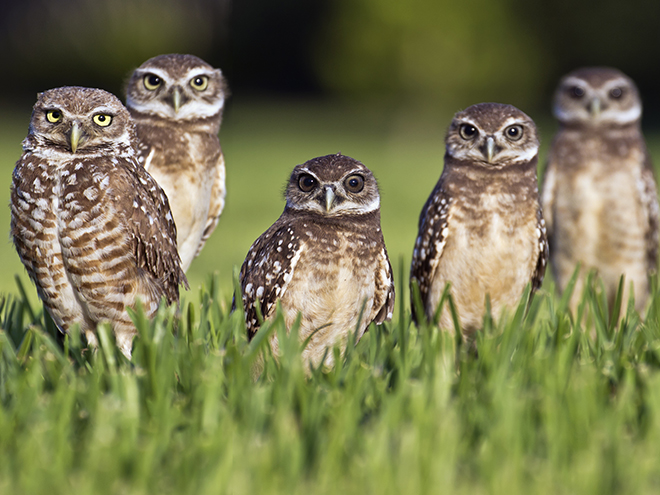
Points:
(599, 193)
(176, 102)
(324, 258)
(92, 227)
(481, 229)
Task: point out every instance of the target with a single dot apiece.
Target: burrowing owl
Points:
(324, 257)
(92, 228)
(176, 102)
(599, 194)
(482, 230)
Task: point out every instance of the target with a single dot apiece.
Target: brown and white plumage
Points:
(92, 228)
(176, 102)
(325, 258)
(481, 229)
(599, 194)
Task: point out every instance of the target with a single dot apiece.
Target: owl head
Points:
(595, 96)
(332, 186)
(176, 87)
(80, 121)
(492, 135)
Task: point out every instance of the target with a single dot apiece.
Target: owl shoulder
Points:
(267, 270)
(431, 239)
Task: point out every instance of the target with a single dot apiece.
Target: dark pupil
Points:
(55, 114)
(616, 93)
(578, 92)
(308, 182)
(102, 118)
(353, 182)
(469, 130)
(199, 81)
(154, 80)
(513, 132)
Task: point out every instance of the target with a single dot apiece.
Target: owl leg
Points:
(124, 340)
(92, 341)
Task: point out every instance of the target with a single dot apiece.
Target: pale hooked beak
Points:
(176, 98)
(490, 148)
(74, 137)
(595, 107)
(329, 198)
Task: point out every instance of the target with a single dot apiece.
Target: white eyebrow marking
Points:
(511, 121)
(468, 121)
(207, 71)
(575, 81)
(153, 70)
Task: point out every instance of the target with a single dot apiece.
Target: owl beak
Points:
(595, 107)
(75, 136)
(329, 198)
(176, 99)
(490, 149)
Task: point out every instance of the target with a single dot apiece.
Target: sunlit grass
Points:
(547, 407)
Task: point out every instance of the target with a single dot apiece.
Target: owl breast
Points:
(36, 225)
(95, 245)
(184, 165)
(608, 222)
(334, 278)
(75, 245)
(494, 250)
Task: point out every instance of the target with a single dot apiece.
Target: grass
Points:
(547, 407)
(553, 404)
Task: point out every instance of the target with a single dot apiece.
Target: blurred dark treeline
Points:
(419, 53)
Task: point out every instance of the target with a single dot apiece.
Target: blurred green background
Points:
(375, 79)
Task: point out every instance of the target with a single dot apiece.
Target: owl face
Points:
(596, 96)
(176, 87)
(332, 185)
(81, 121)
(492, 135)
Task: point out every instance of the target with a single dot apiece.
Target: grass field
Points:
(553, 404)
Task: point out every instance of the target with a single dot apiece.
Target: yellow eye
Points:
(200, 83)
(54, 116)
(102, 119)
(152, 81)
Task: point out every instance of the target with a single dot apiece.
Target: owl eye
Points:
(306, 183)
(577, 92)
(468, 131)
(200, 83)
(514, 132)
(152, 81)
(616, 93)
(102, 119)
(355, 183)
(53, 116)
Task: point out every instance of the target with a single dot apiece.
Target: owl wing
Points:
(145, 154)
(649, 198)
(267, 271)
(151, 227)
(548, 195)
(384, 284)
(217, 202)
(31, 239)
(542, 260)
(431, 238)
